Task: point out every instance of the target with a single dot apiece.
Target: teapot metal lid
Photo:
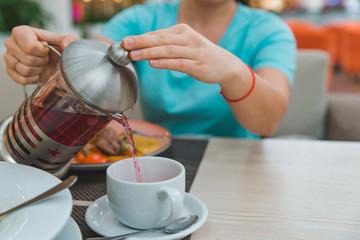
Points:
(100, 74)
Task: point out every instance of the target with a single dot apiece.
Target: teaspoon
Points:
(175, 226)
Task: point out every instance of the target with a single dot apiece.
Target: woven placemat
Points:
(189, 153)
(91, 185)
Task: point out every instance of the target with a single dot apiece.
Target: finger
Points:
(27, 59)
(30, 40)
(172, 35)
(10, 60)
(61, 43)
(167, 51)
(146, 40)
(20, 68)
(27, 71)
(175, 29)
(19, 78)
(51, 38)
(27, 40)
(181, 65)
(66, 40)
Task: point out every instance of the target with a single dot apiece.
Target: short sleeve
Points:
(276, 45)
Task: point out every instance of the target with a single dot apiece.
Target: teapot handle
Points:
(48, 45)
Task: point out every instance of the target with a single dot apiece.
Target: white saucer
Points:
(42, 220)
(71, 231)
(101, 220)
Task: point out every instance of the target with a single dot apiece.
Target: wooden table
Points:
(279, 189)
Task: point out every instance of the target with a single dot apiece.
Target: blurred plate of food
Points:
(111, 145)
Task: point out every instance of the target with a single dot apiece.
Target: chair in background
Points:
(335, 29)
(343, 117)
(311, 36)
(349, 57)
(306, 114)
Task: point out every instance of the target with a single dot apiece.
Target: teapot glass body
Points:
(50, 127)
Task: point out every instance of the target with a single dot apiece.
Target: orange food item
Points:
(116, 158)
(80, 157)
(95, 158)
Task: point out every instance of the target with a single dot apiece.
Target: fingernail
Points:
(128, 41)
(135, 54)
(154, 62)
(66, 42)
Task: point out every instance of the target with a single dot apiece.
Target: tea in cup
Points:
(155, 201)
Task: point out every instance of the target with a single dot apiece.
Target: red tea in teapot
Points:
(70, 129)
(51, 127)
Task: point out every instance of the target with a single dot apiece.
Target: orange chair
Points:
(349, 55)
(310, 36)
(335, 29)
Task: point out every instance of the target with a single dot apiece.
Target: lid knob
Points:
(118, 54)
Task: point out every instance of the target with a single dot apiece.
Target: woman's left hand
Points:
(182, 49)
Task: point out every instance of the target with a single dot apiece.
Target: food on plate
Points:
(95, 157)
(110, 146)
(108, 142)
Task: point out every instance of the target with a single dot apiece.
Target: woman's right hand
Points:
(27, 59)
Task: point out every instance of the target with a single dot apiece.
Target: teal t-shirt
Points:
(184, 105)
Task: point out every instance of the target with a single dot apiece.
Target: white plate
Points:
(41, 220)
(71, 231)
(101, 220)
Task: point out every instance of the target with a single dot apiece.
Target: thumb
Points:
(66, 39)
(50, 37)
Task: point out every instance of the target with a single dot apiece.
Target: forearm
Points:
(263, 109)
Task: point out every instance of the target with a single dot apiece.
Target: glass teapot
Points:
(92, 82)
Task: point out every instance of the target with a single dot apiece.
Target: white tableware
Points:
(42, 220)
(154, 201)
(177, 225)
(100, 219)
(71, 231)
(55, 189)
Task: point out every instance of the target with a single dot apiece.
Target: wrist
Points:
(240, 86)
(235, 76)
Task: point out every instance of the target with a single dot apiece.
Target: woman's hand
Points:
(182, 49)
(27, 59)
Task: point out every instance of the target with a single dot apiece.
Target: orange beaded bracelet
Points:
(244, 97)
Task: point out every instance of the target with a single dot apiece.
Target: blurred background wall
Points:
(84, 18)
(61, 14)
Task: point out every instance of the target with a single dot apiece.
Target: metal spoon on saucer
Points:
(57, 188)
(175, 226)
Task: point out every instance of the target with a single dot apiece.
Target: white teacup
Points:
(152, 203)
